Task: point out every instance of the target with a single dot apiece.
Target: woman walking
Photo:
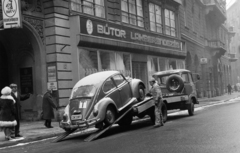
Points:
(7, 113)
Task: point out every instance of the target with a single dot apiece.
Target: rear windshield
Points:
(83, 91)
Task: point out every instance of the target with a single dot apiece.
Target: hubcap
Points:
(109, 116)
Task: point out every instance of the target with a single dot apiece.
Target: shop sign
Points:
(203, 61)
(11, 10)
(119, 32)
(52, 85)
(52, 73)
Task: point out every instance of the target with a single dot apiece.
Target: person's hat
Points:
(13, 85)
(152, 80)
(6, 91)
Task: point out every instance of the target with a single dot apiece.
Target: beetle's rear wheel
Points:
(141, 93)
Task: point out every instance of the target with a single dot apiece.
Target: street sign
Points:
(11, 10)
(203, 61)
(52, 85)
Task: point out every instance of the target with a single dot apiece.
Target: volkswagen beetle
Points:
(98, 99)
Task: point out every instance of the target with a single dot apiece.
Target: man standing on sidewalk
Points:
(156, 92)
(229, 87)
(17, 97)
(47, 107)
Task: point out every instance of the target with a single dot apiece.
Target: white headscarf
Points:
(6, 93)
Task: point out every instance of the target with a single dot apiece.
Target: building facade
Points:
(62, 41)
(233, 20)
(206, 38)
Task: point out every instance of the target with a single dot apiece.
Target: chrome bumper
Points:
(78, 124)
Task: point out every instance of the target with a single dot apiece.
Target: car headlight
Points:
(95, 111)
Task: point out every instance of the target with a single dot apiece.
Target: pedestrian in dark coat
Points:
(18, 97)
(47, 106)
(229, 87)
(7, 113)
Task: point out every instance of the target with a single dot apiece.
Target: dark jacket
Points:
(7, 110)
(18, 99)
(47, 106)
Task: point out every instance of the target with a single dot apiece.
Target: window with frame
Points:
(170, 25)
(91, 7)
(155, 14)
(118, 79)
(132, 12)
(108, 85)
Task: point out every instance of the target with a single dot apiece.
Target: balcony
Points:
(231, 31)
(216, 10)
(217, 47)
(232, 57)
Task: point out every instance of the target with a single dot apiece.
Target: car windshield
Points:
(83, 91)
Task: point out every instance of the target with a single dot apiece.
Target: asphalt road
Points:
(211, 130)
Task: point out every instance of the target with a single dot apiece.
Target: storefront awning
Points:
(114, 45)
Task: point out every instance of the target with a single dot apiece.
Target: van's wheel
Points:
(141, 93)
(164, 112)
(191, 108)
(110, 116)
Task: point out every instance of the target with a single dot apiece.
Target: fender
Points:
(192, 95)
(101, 106)
(134, 86)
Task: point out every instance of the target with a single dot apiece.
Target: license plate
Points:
(76, 117)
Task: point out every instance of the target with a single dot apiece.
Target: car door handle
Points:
(119, 89)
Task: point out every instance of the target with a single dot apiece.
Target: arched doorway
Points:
(22, 62)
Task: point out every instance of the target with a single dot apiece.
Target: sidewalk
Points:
(33, 131)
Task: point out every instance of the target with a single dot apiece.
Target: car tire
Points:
(174, 83)
(141, 93)
(110, 116)
(164, 112)
(191, 108)
(126, 120)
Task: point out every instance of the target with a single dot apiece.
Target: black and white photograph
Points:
(120, 76)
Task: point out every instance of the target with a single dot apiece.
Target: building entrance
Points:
(20, 63)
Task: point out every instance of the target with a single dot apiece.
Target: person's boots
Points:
(49, 123)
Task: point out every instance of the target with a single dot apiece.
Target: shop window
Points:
(93, 61)
(88, 59)
(172, 64)
(180, 64)
(132, 12)
(107, 61)
(123, 63)
(91, 7)
(155, 18)
(163, 64)
(170, 25)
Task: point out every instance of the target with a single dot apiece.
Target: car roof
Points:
(95, 78)
(167, 72)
